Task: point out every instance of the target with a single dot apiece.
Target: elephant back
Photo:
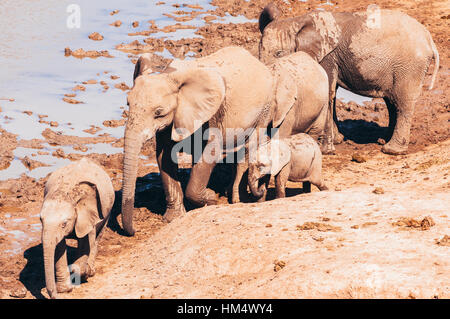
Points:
(62, 181)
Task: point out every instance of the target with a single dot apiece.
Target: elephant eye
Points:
(64, 224)
(158, 112)
(278, 54)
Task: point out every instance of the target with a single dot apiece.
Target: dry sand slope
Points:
(349, 243)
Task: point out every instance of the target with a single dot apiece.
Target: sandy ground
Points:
(379, 232)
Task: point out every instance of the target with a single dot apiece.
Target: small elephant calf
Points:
(297, 159)
(78, 199)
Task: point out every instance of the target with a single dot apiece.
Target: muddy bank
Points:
(9, 143)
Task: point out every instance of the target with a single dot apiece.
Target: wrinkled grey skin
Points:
(383, 54)
(297, 159)
(310, 110)
(229, 89)
(77, 202)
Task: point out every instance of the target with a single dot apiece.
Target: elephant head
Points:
(315, 33)
(64, 210)
(269, 159)
(181, 100)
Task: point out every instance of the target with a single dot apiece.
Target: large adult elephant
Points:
(229, 90)
(308, 114)
(377, 53)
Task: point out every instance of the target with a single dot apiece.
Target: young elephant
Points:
(77, 202)
(297, 159)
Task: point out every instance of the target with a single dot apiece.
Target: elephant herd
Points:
(255, 111)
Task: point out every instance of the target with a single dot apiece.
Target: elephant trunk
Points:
(132, 147)
(253, 181)
(49, 246)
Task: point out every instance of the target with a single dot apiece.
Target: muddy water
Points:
(36, 74)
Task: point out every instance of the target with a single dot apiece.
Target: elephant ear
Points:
(317, 34)
(87, 216)
(149, 63)
(269, 13)
(285, 97)
(201, 93)
(280, 154)
(96, 206)
(89, 172)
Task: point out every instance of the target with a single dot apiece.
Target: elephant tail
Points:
(436, 63)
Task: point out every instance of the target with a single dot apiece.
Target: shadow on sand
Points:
(363, 132)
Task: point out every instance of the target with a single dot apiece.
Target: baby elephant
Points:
(297, 159)
(77, 203)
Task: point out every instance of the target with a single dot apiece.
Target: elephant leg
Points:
(266, 181)
(338, 137)
(243, 190)
(398, 144)
(196, 190)
(318, 129)
(230, 188)
(238, 184)
(79, 265)
(63, 282)
(392, 117)
(331, 131)
(407, 94)
(169, 176)
(93, 249)
(316, 180)
(93, 239)
(280, 181)
(328, 143)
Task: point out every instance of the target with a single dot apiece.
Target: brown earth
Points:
(9, 144)
(381, 231)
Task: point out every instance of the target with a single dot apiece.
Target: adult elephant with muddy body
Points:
(227, 90)
(309, 112)
(377, 53)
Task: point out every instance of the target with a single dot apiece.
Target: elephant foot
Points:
(88, 271)
(210, 197)
(328, 149)
(338, 138)
(173, 213)
(326, 145)
(394, 149)
(205, 197)
(62, 287)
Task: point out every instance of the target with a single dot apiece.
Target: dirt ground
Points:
(382, 231)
